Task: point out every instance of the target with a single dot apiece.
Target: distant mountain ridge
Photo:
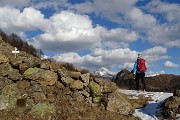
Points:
(104, 72)
(158, 83)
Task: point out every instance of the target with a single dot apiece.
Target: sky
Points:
(99, 33)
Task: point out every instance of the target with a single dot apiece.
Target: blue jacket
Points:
(135, 67)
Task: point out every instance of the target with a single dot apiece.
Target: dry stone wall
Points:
(39, 86)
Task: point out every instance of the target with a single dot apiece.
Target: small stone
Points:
(85, 78)
(24, 85)
(3, 58)
(77, 84)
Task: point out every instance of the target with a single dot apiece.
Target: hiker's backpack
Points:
(141, 66)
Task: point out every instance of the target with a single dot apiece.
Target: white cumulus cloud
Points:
(129, 66)
(64, 31)
(125, 12)
(68, 31)
(119, 38)
(169, 64)
(154, 54)
(166, 33)
(122, 58)
(13, 20)
(171, 10)
(155, 50)
(99, 58)
(120, 34)
(122, 12)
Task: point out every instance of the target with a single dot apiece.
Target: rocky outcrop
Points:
(124, 79)
(171, 106)
(43, 77)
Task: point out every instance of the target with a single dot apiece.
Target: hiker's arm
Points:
(135, 68)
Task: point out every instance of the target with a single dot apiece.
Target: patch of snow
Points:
(150, 111)
(152, 75)
(134, 97)
(178, 116)
(43, 57)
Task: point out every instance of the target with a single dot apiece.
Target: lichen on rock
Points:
(43, 110)
(95, 88)
(31, 71)
(9, 96)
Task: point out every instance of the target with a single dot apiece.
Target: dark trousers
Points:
(138, 77)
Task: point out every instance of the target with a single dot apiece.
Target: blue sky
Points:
(99, 33)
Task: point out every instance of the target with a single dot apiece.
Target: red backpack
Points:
(141, 65)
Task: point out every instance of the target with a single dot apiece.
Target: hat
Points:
(139, 55)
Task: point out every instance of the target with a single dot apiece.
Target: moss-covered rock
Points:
(44, 77)
(43, 110)
(47, 77)
(31, 71)
(9, 97)
(95, 88)
(14, 75)
(97, 99)
(4, 69)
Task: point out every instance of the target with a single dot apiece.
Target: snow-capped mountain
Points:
(104, 72)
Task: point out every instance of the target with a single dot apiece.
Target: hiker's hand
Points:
(132, 71)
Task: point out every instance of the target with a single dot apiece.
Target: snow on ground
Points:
(150, 110)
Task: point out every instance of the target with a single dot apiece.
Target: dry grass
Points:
(73, 110)
(140, 102)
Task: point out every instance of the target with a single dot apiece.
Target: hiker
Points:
(140, 69)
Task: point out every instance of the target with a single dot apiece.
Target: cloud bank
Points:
(70, 29)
